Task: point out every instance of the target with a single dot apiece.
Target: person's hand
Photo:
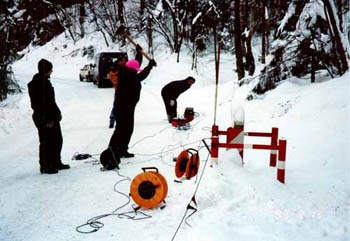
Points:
(152, 63)
(50, 124)
(138, 48)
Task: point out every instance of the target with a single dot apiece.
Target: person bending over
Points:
(171, 92)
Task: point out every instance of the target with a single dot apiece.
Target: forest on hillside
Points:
(301, 37)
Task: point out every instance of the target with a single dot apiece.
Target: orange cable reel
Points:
(187, 164)
(149, 189)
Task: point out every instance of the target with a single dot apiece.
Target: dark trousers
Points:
(50, 145)
(113, 115)
(125, 127)
(170, 109)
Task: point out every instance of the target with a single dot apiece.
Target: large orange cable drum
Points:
(148, 189)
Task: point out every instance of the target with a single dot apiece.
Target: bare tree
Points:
(95, 19)
(171, 23)
(69, 19)
(107, 15)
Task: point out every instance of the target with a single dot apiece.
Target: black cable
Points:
(193, 199)
(81, 156)
(94, 224)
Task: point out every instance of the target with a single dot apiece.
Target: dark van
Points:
(104, 63)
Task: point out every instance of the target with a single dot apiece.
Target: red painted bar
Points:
(258, 134)
(241, 146)
(274, 139)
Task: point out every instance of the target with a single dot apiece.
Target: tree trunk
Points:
(121, 17)
(282, 9)
(149, 36)
(82, 15)
(121, 11)
(175, 28)
(267, 31)
(142, 11)
(246, 13)
(238, 41)
(312, 68)
(250, 63)
(336, 36)
(340, 14)
(263, 32)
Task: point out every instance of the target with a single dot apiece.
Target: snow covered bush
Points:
(303, 45)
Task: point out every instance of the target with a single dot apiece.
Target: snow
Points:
(196, 18)
(159, 9)
(289, 14)
(309, 15)
(235, 202)
(19, 13)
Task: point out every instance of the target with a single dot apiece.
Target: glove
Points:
(172, 102)
(138, 48)
(152, 63)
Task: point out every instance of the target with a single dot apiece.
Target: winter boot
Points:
(126, 154)
(62, 166)
(48, 170)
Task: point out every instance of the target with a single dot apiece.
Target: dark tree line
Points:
(286, 29)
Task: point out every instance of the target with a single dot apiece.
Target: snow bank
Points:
(234, 202)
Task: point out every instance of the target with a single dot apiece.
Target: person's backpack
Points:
(109, 160)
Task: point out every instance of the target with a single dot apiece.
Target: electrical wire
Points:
(95, 224)
(172, 149)
(150, 136)
(193, 200)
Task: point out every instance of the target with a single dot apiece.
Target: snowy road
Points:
(234, 202)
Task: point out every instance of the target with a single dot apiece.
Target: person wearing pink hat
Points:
(113, 76)
(129, 88)
(133, 64)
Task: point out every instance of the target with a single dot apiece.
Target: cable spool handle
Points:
(149, 168)
(192, 149)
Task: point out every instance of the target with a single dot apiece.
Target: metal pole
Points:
(217, 63)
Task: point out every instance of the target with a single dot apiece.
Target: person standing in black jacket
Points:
(113, 76)
(171, 92)
(46, 117)
(129, 88)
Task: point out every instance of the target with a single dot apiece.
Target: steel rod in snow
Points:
(217, 63)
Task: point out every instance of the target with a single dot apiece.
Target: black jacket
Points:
(172, 90)
(129, 86)
(42, 97)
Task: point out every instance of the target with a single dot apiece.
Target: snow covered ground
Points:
(234, 202)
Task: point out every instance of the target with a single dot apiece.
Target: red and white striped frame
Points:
(235, 140)
(281, 168)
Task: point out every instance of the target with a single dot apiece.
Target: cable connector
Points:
(81, 156)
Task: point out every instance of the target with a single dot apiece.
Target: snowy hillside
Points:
(234, 202)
